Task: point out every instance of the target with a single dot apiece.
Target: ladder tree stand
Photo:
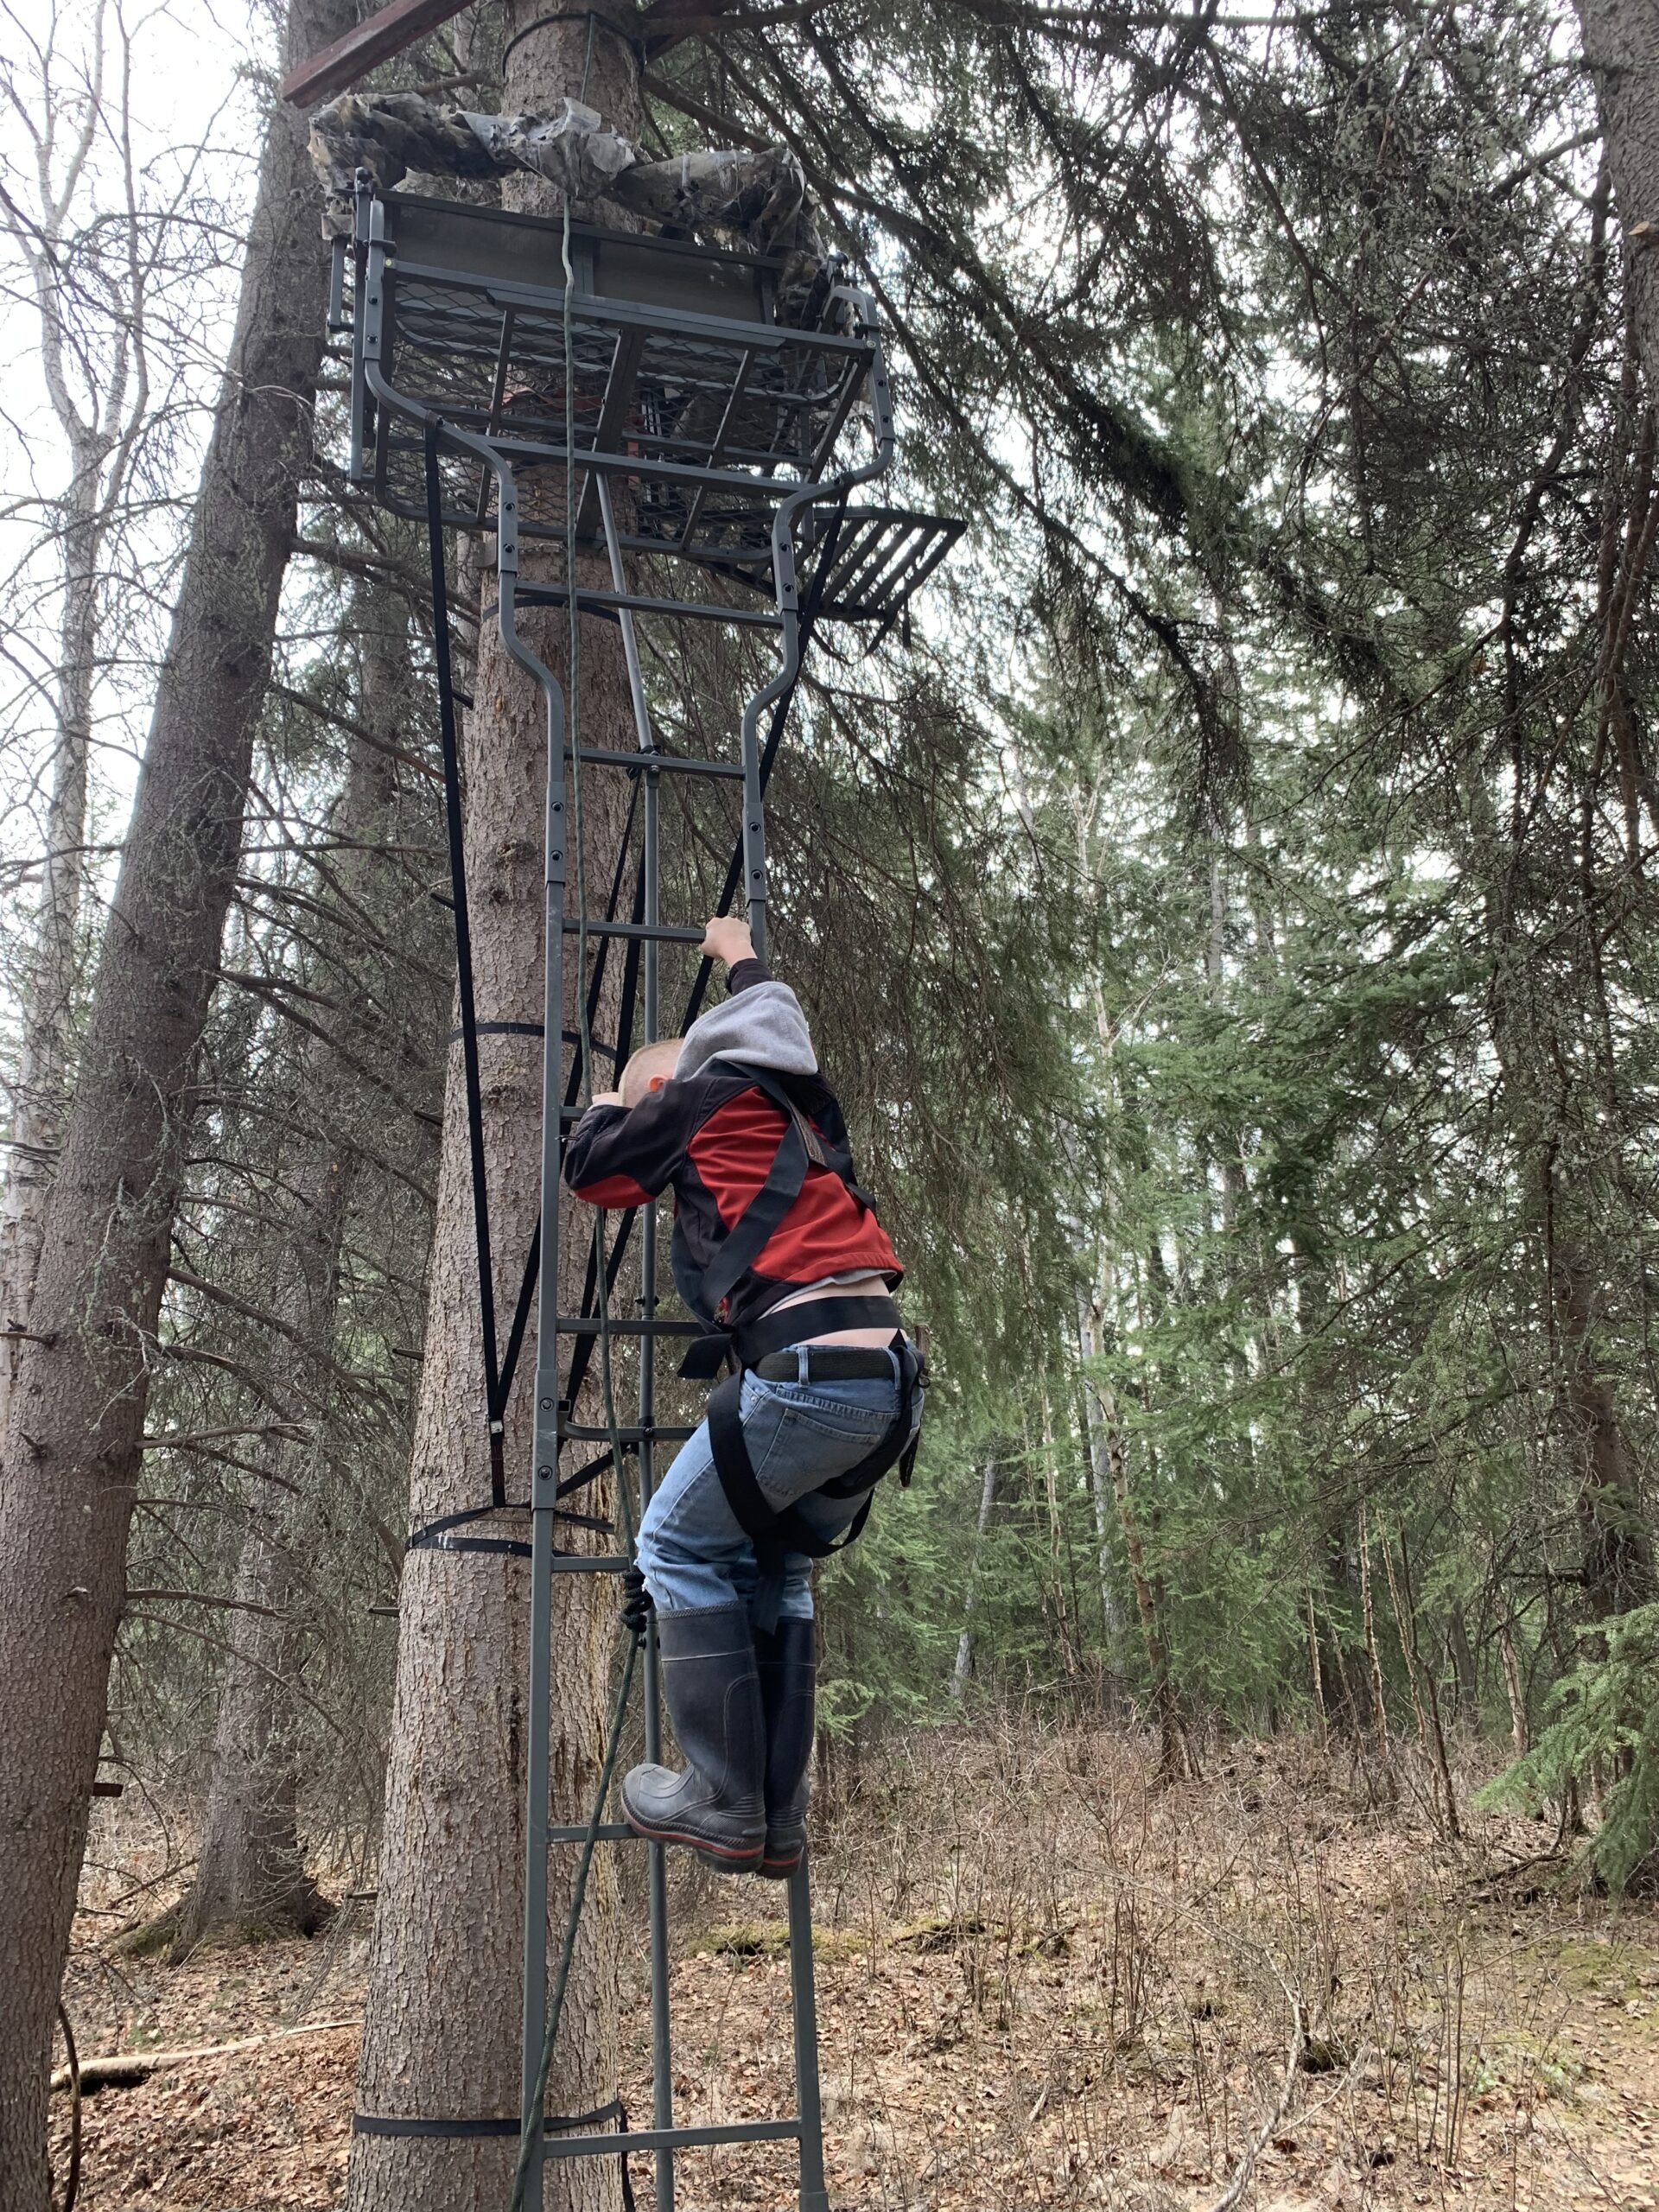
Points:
(711, 456)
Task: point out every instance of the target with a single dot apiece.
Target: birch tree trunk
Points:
(251, 1871)
(964, 1661)
(441, 2039)
(100, 395)
(39, 1092)
(76, 1419)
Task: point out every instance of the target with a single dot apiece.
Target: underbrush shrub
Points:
(1603, 1728)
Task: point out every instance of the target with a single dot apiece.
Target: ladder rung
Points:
(587, 1324)
(607, 1832)
(654, 930)
(671, 2139)
(615, 602)
(588, 1562)
(675, 763)
(585, 1433)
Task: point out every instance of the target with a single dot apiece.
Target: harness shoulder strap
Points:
(800, 1147)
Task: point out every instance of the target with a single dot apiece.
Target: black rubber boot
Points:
(788, 1660)
(713, 1695)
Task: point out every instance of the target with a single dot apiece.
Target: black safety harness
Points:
(774, 1534)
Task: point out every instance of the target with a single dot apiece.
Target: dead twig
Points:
(1270, 2126)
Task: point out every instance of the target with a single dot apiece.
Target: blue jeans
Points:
(693, 1551)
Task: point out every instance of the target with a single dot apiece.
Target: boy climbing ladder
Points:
(779, 1252)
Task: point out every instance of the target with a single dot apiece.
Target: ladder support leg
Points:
(545, 1454)
(803, 2004)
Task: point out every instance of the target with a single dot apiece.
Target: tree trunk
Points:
(441, 2038)
(74, 1436)
(1317, 1672)
(1100, 1419)
(46, 1014)
(1621, 48)
(964, 1667)
(250, 1872)
(1174, 1753)
(1465, 1669)
(1060, 1550)
(99, 426)
(1379, 1705)
(1618, 1564)
(1513, 1690)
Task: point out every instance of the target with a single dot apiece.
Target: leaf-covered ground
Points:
(1043, 1982)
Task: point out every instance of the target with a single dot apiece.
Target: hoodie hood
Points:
(763, 1025)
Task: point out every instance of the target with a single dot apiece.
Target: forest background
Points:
(1228, 912)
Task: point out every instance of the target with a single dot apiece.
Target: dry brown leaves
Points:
(1043, 1984)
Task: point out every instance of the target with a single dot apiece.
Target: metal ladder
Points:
(717, 410)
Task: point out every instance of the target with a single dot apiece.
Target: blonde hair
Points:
(648, 1070)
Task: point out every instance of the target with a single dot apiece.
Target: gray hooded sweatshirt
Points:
(762, 1025)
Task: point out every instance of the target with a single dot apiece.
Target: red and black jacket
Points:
(713, 1138)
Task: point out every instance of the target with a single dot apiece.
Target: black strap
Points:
(773, 1533)
(436, 1536)
(753, 1229)
(784, 1325)
(501, 1029)
(375, 2123)
(800, 1147)
(583, 1476)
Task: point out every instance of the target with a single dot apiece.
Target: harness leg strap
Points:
(775, 1535)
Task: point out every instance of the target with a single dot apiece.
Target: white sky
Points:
(196, 73)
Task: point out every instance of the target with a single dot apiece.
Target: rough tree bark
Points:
(1621, 49)
(1176, 1759)
(251, 1871)
(74, 1436)
(441, 2039)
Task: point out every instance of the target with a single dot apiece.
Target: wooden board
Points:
(363, 48)
(375, 39)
